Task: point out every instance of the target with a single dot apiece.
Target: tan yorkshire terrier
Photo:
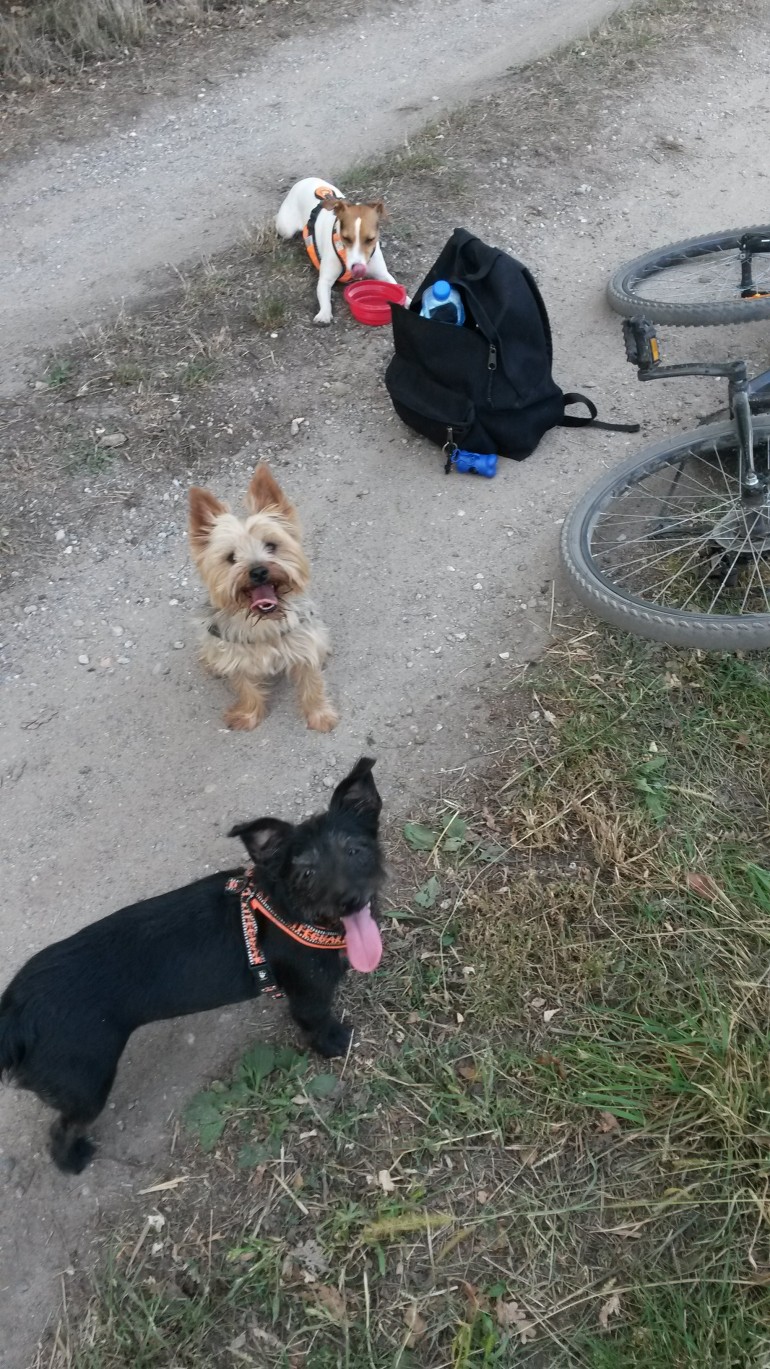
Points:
(259, 622)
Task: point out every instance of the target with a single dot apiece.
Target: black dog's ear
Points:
(358, 793)
(264, 839)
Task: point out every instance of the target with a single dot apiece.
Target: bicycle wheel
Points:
(665, 547)
(694, 282)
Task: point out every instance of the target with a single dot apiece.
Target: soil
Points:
(118, 777)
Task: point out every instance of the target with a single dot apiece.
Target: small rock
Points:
(504, 655)
(7, 1166)
(116, 631)
(82, 660)
(178, 646)
(328, 781)
(105, 662)
(61, 534)
(113, 440)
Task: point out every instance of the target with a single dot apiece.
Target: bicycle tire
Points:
(738, 632)
(624, 299)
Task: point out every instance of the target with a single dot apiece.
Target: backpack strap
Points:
(580, 421)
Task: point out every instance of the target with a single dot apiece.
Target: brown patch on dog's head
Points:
(359, 226)
(254, 564)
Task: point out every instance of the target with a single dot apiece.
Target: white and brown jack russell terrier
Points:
(342, 238)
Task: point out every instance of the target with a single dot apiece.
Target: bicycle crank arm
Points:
(643, 351)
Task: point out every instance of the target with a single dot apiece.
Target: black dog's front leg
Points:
(310, 1004)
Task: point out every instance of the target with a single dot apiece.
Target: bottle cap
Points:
(441, 290)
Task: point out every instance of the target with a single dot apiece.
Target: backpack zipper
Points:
(491, 368)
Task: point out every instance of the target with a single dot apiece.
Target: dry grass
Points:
(44, 38)
(551, 1147)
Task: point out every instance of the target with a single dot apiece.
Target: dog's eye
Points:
(230, 557)
(353, 852)
(307, 874)
(271, 547)
(369, 242)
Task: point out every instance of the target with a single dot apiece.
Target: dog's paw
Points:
(334, 1041)
(239, 721)
(323, 720)
(70, 1153)
(323, 318)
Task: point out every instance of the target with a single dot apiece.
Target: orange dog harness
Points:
(254, 905)
(324, 192)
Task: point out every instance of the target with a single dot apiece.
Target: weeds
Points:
(50, 37)
(58, 372)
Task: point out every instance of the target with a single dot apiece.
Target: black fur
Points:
(66, 1016)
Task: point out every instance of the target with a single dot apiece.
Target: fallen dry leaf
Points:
(513, 1318)
(385, 1182)
(469, 1072)
(550, 1013)
(332, 1301)
(608, 1309)
(545, 1058)
(703, 885)
(608, 1122)
(417, 1325)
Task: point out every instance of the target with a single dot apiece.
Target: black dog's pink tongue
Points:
(263, 599)
(363, 942)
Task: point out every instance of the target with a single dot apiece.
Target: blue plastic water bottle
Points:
(442, 302)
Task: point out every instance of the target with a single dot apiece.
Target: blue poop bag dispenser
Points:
(477, 463)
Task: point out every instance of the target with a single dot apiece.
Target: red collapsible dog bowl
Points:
(370, 300)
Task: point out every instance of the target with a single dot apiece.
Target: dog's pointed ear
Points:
(358, 793)
(265, 839)
(379, 208)
(205, 509)
(265, 495)
(336, 206)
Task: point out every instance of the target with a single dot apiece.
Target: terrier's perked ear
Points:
(205, 509)
(265, 495)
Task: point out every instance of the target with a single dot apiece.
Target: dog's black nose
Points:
(258, 575)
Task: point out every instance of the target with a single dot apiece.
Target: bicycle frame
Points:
(745, 395)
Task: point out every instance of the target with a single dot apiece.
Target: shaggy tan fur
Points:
(259, 558)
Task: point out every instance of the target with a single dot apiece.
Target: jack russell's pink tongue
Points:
(263, 599)
(362, 940)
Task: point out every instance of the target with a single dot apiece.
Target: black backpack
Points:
(486, 386)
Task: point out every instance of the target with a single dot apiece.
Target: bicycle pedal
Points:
(641, 342)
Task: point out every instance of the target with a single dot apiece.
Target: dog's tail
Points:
(15, 1039)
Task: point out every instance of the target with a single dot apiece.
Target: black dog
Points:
(67, 1015)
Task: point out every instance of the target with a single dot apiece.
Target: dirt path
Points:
(118, 779)
(84, 226)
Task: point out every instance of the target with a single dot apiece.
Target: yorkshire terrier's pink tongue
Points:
(362, 940)
(263, 599)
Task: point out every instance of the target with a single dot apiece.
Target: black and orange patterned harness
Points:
(324, 192)
(253, 904)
